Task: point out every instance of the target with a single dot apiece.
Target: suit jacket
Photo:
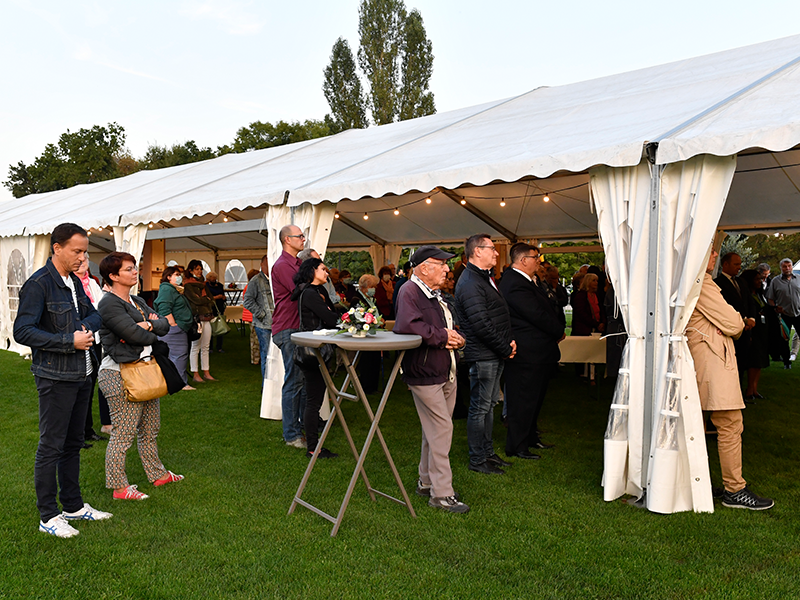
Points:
(738, 299)
(535, 323)
(713, 326)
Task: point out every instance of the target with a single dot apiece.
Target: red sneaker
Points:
(169, 478)
(130, 493)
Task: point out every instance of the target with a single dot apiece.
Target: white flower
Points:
(351, 329)
(352, 311)
(372, 310)
(366, 327)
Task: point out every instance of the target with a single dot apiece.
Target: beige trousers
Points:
(730, 425)
(435, 405)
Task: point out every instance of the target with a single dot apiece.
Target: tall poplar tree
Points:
(396, 60)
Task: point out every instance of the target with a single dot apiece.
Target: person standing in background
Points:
(217, 293)
(258, 301)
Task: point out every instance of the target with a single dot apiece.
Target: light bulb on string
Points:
(366, 217)
(150, 225)
(463, 202)
(427, 200)
(396, 212)
(336, 215)
(503, 202)
(225, 219)
(546, 198)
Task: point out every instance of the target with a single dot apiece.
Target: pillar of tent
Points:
(657, 224)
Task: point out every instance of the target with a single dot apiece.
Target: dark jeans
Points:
(315, 392)
(293, 394)
(62, 417)
(484, 382)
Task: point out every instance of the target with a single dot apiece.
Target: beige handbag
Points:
(143, 380)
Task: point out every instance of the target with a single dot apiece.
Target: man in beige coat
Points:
(713, 326)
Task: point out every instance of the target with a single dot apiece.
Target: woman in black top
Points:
(316, 312)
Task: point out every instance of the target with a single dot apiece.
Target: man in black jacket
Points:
(736, 293)
(483, 316)
(539, 329)
(57, 321)
(430, 372)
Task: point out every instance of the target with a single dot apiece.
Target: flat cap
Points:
(426, 252)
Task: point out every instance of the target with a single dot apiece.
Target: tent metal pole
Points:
(651, 333)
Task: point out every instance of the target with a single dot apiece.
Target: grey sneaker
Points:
(299, 442)
(449, 503)
(423, 489)
(744, 498)
(58, 527)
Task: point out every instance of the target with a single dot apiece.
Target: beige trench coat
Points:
(713, 326)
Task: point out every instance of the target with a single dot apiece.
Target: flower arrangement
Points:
(360, 321)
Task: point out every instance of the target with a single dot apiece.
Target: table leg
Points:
(337, 411)
(372, 431)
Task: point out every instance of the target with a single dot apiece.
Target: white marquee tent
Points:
(653, 161)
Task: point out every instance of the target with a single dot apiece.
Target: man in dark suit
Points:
(736, 293)
(538, 329)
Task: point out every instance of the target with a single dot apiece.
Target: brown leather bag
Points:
(143, 380)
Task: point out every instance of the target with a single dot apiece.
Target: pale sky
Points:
(171, 71)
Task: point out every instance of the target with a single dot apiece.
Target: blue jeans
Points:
(484, 387)
(293, 395)
(178, 343)
(263, 336)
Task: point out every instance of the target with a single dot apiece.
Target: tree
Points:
(342, 88)
(85, 156)
(396, 59)
(771, 249)
(260, 135)
(738, 243)
(158, 157)
(417, 56)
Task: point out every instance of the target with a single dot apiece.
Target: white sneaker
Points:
(58, 527)
(87, 513)
(297, 443)
(792, 357)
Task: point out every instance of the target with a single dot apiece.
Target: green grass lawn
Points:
(540, 531)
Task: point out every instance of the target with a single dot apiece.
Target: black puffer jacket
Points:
(120, 335)
(483, 316)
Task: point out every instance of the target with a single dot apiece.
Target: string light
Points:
(225, 219)
(427, 200)
(336, 215)
(88, 233)
(546, 198)
(503, 202)
(366, 217)
(150, 225)
(111, 232)
(396, 212)
(463, 202)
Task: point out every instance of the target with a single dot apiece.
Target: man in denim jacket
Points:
(57, 321)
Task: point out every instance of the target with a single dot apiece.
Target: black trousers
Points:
(62, 417)
(315, 392)
(105, 414)
(526, 386)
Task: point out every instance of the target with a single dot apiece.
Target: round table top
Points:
(382, 340)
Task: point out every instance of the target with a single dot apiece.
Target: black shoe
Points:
(525, 454)
(787, 365)
(86, 446)
(744, 498)
(759, 396)
(542, 446)
(324, 453)
(717, 492)
(749, 399)
(487, 468)
(497, 461)
(95, 437)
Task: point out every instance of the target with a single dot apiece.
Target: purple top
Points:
(285, 315)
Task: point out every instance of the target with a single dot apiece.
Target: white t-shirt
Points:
(68, 282)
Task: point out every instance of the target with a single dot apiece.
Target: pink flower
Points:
(345, 318)
(369, 318)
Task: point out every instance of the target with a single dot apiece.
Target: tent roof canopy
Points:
(516, 149)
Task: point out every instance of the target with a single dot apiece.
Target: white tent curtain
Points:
(316, 222)
(378, 255)
(691, 198)
(392, 254)
(621, 197)
(693, 194)
(20, 256)
(131, 239)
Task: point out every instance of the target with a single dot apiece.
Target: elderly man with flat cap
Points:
(430, 372)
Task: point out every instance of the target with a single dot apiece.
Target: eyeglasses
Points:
(536, 256)
(492, 247)
(435, 262)
(297, 236)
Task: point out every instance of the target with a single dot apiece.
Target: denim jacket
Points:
(46, 321)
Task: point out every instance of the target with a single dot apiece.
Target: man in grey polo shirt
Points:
(784, 294)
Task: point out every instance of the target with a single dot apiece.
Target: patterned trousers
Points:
(141, 420)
